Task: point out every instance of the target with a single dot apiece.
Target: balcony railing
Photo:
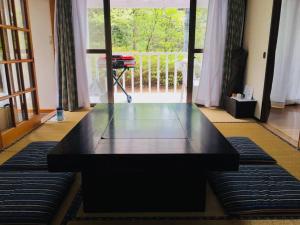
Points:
(157, 75)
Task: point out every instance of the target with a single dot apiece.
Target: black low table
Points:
(144, 157)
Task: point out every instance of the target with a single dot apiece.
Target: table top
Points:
(143, 132)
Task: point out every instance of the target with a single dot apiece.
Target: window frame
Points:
(30, 117)
(18, 61)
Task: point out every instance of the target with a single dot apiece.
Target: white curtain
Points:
(79, 13)
(209, 90)
(286, 80)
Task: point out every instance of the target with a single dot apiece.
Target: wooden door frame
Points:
(108, 48)
(191, 50)
(266, 103)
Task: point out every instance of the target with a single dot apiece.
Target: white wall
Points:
(39, 13)
(256, 41)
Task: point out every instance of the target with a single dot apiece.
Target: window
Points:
(18, 93)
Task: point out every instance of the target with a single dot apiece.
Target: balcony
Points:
(159, 77)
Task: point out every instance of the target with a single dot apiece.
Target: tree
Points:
(147, 30)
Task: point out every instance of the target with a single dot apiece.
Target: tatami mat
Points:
(216, 115)
(49, 131)
(286, 155)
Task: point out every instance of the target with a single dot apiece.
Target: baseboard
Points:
(47, 114)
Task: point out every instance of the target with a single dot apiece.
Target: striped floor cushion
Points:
(250, 153)
(257, 189)
(31, 197)
(32, 157)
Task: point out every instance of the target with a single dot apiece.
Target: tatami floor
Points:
(286, 155)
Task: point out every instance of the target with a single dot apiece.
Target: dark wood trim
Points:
(28, 90)
(1, 144)
(266, 103)
(9, 27)
(298, 142)
(198, 50)
(47, 110)
(16, 61)
(96, 51)
(191, 50)
(244, 24)
(31, 55)
(108, 45)
(18, 129)
(13, 134)
(20, 73)
(8, 71)
(52, 16)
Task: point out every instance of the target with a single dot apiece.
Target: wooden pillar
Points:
(52, 17)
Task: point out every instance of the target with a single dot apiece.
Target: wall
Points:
(39, 12)
(256, 41)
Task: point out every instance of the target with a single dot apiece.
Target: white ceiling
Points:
(147, 3)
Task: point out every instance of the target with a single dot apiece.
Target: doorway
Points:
(287, 121)
(166, 40)
(281, 100)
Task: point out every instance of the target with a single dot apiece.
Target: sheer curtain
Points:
(209, 91)
(79, 11)
(286, 80)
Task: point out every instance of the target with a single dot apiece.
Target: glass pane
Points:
(1, 50)
(10, 44)
(16, 85)
(201, 20)
(31, 106)
(20, 13)
(197, 73)
(27, 75)
(19, 109)
(97, 80)
(6, 17)
(24, 48)
(96, 32)
(3, 83)
(6, 121)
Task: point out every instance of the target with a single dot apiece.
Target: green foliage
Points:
(96, 37)
(201, 20)
(147, 30)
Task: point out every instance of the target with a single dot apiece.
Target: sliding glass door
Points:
(165, 38)
(197, 30)
(99, 53)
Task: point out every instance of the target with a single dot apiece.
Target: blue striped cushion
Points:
(257, 189)
(250, 153)
(32, 157)
(31, 197)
